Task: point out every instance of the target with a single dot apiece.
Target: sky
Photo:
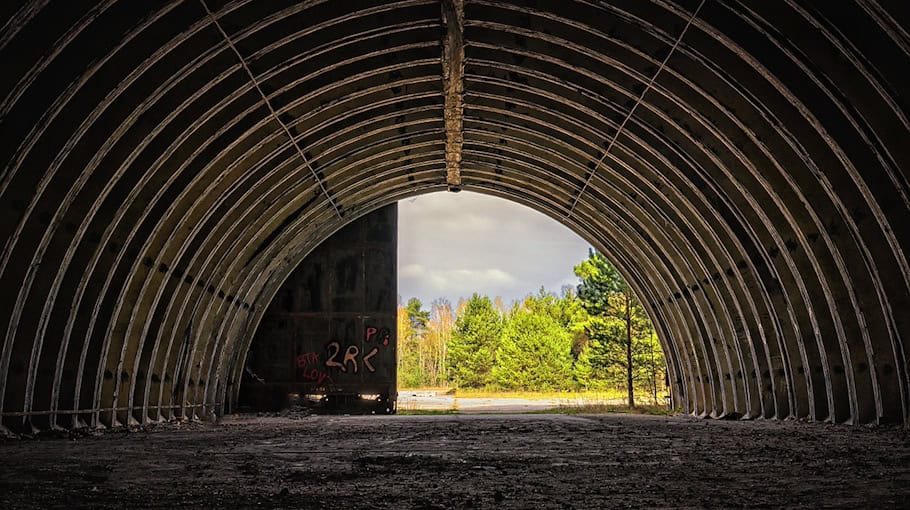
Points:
(451, 245)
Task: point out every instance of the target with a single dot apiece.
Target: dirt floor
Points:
(454, 461)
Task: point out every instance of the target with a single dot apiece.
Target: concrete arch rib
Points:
(751, 185)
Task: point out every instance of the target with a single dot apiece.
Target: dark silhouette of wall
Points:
(331, 328)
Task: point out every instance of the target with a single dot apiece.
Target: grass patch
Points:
(558, 402)
(425, 412)
(607, 409)
(535, 395)
(567, 410)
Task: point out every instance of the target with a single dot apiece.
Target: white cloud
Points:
(412, 271)
(451, 245)
(468, 279)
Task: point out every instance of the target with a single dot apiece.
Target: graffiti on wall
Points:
(308, 363)
(318, 367)
(373, 337)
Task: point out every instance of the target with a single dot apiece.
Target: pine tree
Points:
(475, 339)
(417, 315)
(583, 371)
(617, 317)
(535, 352)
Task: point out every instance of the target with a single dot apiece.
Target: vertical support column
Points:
(453, 88)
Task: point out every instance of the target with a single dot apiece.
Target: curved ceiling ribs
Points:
(165, 166)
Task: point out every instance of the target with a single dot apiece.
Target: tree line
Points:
(595, 336)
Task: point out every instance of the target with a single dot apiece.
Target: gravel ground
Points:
(455, 461)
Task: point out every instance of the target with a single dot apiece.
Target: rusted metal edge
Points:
(453, 88)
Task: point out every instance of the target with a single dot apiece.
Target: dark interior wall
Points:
(331, 328)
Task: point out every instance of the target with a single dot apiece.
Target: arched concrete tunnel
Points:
(166, 165)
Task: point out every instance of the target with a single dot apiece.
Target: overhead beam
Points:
(272, 112)
(622, 126)
(453, 88)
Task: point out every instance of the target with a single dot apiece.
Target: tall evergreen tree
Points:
(613, 306)
(416, 314)
(535, 352)
(472, 348)
(583, 370)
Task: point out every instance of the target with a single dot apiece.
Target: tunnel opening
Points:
(480, 274)
(333, 340)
